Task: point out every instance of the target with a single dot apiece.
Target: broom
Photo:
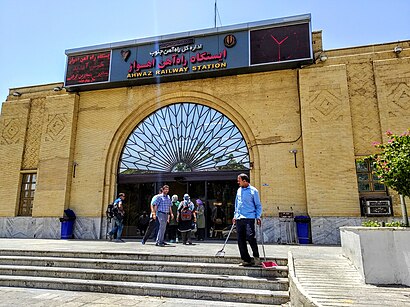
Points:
(265, 264)
(221, 253)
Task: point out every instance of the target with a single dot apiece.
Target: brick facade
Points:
(330, 112)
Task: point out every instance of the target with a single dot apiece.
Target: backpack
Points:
(112, 210)
(186, 214)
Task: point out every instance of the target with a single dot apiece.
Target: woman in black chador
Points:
(186, 216)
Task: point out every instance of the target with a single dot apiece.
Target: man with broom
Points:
(247, 208)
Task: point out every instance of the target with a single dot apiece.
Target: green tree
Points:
(392, 165)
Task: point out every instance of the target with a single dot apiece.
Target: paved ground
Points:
(325, 274)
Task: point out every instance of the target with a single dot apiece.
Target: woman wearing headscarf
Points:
(200, 215)
(186, 215)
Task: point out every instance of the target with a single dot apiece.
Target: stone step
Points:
(274, 284)
(139, 265)
(133, 256)
(153, 289)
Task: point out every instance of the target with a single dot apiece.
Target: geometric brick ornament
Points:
(56, 127)
(10, 133)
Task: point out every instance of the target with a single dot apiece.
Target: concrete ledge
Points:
(381, 254)
(298, 296)
(49, 227)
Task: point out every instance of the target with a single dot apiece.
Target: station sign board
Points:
(261, 46)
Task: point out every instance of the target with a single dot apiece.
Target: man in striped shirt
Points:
(163, 206)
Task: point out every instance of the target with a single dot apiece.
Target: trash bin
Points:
(302, 228)
(67, 224)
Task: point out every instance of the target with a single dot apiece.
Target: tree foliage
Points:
(392, 163)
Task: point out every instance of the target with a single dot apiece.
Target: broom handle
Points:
(263, 245)
(227, 237)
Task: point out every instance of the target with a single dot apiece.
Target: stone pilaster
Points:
(13, 126)
(56, 156)
(330, 175)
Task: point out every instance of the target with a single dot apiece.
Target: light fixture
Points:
(16, 94)
(294, 152)
(322, 57)
(57, 89)
(397, 49)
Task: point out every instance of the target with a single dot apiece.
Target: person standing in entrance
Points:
(173, 224)
(186, 215)
(200, 216)
(248, 207)
(163, 207)
(152, 218)
(118, 218)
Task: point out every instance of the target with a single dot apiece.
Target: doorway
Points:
(217, 193)
(192, 148)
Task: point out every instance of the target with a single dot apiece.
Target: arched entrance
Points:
(191, 147)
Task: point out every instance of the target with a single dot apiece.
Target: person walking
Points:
(153, 218)
(143, 222)
(163, 207)
(118, 219)
(248, 207)
(186, 215)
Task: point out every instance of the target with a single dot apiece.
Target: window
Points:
(28, 187)
(367, 181)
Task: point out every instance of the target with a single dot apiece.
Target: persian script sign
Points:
(88, 68)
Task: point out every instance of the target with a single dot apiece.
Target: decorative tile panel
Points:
(10, 128)
(363, 102)
(33, 137)
(56, 127)
(398, 97)
(325, 104)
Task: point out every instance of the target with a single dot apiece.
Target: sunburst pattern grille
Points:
(184, 137)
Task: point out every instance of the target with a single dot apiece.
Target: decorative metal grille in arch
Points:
(184, 137)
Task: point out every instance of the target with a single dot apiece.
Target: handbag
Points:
(194, 227)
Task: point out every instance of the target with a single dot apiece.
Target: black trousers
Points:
(200, 232)
(186, 237)
(172, 232)
(150, 229)
(245, 229)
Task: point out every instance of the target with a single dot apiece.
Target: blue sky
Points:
(35, 34)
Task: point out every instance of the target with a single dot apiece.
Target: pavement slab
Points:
(325, 274)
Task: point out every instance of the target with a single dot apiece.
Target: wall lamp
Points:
(57, 89)
(16, 94)
(322, 57)
(294, 152)
(397, 49)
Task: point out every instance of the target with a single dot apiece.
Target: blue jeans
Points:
(162, 219)
(245, 229)
(117, 228)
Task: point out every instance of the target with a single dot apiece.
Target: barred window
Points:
(28, 187)
(367, 181)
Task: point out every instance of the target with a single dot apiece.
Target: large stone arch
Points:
(141, 112)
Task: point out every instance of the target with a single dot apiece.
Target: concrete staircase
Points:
(178, 276)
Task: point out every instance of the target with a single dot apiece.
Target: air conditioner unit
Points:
(378, 207)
